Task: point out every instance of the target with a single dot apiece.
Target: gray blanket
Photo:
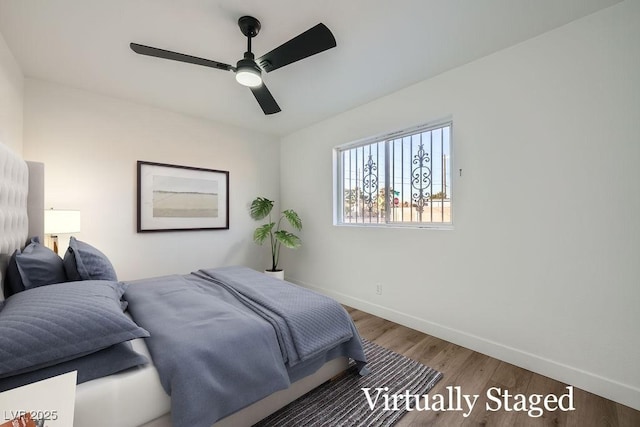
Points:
(222, 339)
(305, 322)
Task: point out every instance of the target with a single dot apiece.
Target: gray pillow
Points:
(36, 265)
(48, 325)
(104, 362)
(84, 262)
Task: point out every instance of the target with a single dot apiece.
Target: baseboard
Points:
(596, 384)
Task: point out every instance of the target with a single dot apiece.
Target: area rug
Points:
(342, 402)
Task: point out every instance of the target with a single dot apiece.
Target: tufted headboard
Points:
(21, 205)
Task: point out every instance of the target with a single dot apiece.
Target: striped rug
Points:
(342, 402)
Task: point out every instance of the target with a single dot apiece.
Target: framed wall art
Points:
(175, 198)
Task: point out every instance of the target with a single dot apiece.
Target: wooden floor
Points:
(475, 373)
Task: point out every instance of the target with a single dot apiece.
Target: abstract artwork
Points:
(173, 198)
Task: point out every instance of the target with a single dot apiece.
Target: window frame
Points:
(338, 176)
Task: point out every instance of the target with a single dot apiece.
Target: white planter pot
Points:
(277, 274)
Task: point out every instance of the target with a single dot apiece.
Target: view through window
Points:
(401, 179)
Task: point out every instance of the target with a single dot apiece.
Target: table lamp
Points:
(60, 221)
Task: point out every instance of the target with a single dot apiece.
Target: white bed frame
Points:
(270, 404)
(134, 397)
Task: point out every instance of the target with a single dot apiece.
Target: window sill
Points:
(398, 226)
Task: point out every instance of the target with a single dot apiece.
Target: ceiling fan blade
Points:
(265, 99)
(314, 40)
(175, 56)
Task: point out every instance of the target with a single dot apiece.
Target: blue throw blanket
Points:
(222, 339)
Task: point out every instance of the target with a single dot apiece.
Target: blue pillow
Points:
(104, 362)
(84, 262)
(35, 266)
(48, 325)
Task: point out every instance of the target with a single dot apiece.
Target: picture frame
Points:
(180, 198)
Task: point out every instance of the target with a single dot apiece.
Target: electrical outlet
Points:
(378, 288)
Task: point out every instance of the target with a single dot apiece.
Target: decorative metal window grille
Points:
(403, 178)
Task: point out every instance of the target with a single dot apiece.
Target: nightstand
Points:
(51, 400)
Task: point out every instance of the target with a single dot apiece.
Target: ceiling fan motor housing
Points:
(248, 62)
(248, 73)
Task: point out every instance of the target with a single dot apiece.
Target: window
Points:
(399, 179)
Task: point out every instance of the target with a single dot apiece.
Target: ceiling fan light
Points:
(248, 77)
(248, 73)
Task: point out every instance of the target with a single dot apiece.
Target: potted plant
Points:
(260, 209)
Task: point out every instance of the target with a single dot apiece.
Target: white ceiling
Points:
(382, 46)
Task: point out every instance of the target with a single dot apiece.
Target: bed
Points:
(279, 343)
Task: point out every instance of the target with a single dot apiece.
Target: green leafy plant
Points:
(260, 209)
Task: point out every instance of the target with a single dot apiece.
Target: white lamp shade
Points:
(57, 221)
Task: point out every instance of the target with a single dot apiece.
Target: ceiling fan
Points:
(249, 70)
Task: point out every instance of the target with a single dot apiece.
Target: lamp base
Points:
(52, 242)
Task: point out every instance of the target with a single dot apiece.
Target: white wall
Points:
(90, 144)
(543, 266)
(11, 99)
